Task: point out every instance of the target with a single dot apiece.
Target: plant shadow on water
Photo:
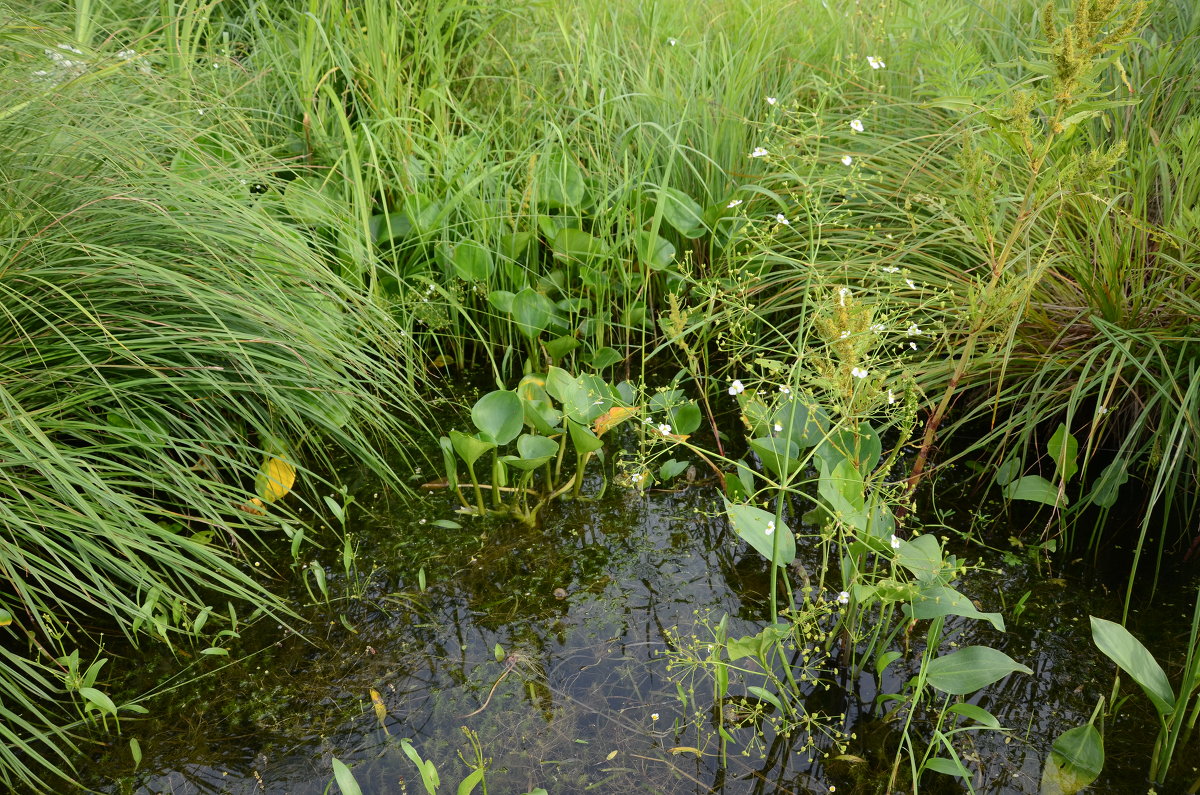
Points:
(548, 644)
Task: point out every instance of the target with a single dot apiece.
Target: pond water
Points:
(585, 610)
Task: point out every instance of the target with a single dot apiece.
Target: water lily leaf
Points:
(499, 416)
(1075, 761)
(758, 528)
(1128, 652)
(275, 479)
(970, 668)
(1063, 449)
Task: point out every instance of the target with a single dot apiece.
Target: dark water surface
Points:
(585, 608)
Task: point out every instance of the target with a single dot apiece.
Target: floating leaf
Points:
(1075, 761)
(381, 712)
(970, 668)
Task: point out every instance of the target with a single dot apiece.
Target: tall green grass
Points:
(162, 333)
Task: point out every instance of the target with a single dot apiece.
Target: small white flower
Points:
(912, 345)
(1101, 411)
(770, 527)
(781, 218)
(737, 388)
(856, 125)
(847, 160)
(876, 63)
(785, 390)
(734, 203)
(844, 334)
(891, 398)
(858, 372)
(894, 541)
(653, 716)
(890, 270)
(778, 428)
(877, 328)
(637, 478)
(672, 42)
(771, 100)
(843, 598)
(759, 152)
(664, 429)
(842, 293)
(911, 284)
(913, 330)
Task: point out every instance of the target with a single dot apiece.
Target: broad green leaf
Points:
(499, 416)
(576, 244)
(977, 714)
(922, 556)
(471, 448)
(804, 425)
(970, 668)
(472, 261)
(135, 751)
(94, 696)
(1075, 761)
(685, 419)
(1007, 472)
(530, 446)
(682, 212)
(1128, 652)
(468, 784)
(311, 202)
(582, 437)
(843, 489)
(1063, 449)
(671, 469)
(532, 312)
(1108, 485)
(345, 779)
(759, 529)
(389, 226)
(502, 300)
(1033, 488)
(777, 453)
(653, 250)
(559, 347)
(449, 461)
(604, 358)
(940, 600)
(950, 767)
(559, 181)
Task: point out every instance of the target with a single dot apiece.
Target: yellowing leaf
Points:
(613, 417)
(5, 618)
(274, 479)
(380, 709)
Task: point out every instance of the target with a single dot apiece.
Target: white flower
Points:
(781, 218)
(847, 160)
(1101, 411)
(653, 716)
(759, 152)
(843, 598)
(876, 63)
(778, 428)
(664, 429)
(771, 100)
(858, 372)
(785, 390)
(877, 328)
(856, 125)
(672, 42)
(911, 284)
(890, 270)
(894, 541)
(736, 388)
(842, 293)
(734, 203)
(637, 477)
(770, 527)
(891, 398)
(913, 330)
(844, 334)
(912, 345)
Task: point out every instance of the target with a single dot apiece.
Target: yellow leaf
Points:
(274, 479)
(380, 709)
(611, 756)
(686, 749)
(614, 417)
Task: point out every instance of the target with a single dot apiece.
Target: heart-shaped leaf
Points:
(531, 311)
(499, 416)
